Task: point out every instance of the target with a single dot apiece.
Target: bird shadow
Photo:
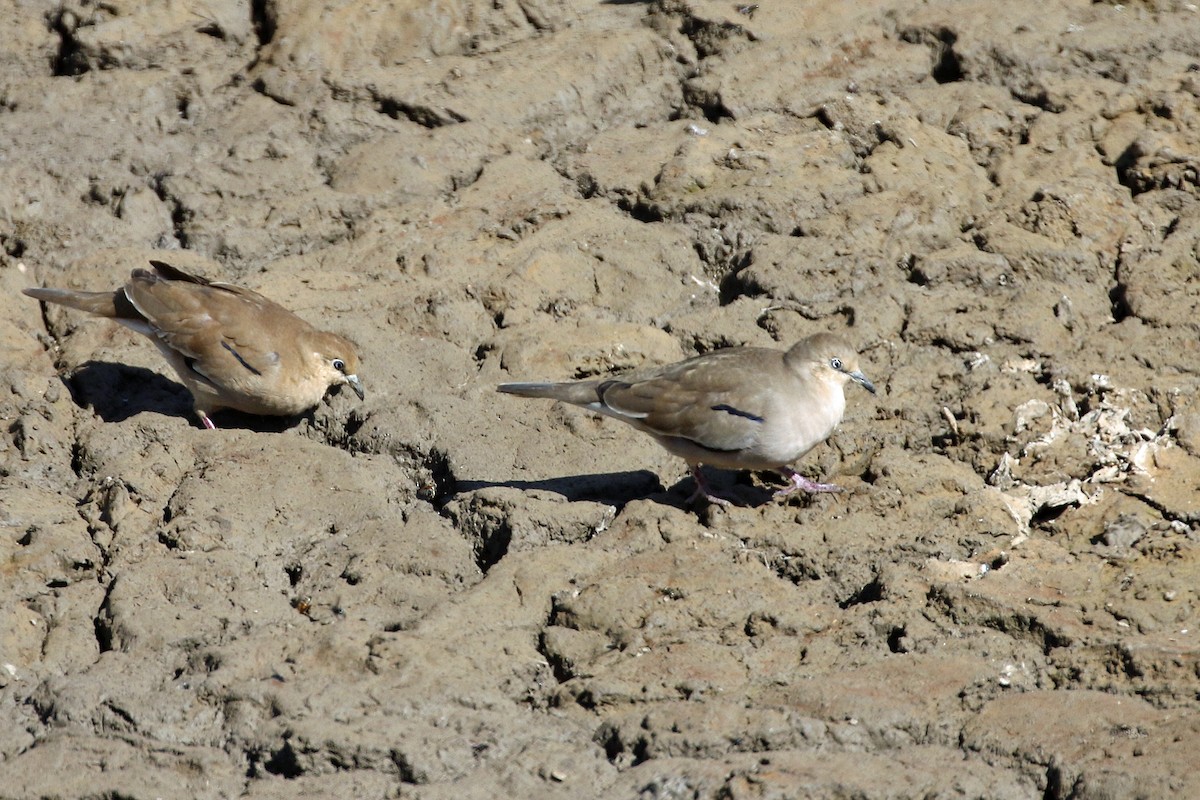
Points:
(613, 488)
(115, 392)
(619, 488)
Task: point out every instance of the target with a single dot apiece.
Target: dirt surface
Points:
(446, 593)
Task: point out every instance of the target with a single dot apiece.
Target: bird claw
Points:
(709, 496)
(705, 491)
(800, 483)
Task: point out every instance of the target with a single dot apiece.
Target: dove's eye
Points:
(339, 365)
(836, 363)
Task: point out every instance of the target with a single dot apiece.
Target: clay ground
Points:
(442, 592)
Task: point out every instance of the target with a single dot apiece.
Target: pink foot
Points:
(703, 489)
(208, 423)
(799, 482)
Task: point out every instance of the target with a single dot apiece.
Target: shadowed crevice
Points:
(284, 762)
(69, 59)
(947, 67)
(424, 115)
(180, 214)
(264, 20)
(102, 622)
(872, 592)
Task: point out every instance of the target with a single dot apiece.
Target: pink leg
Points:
(703, 489)
(208, 423)
(799, 482)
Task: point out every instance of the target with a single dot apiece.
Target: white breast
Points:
(801, 423)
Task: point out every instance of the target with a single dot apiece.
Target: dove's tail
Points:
(103, 304)
(582, 393)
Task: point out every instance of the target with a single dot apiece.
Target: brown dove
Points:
(232, 348)
(738, 408)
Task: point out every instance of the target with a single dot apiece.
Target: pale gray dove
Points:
(738, 408)
(231, 347)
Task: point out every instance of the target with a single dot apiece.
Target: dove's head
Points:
(337, 360)
(831, 358)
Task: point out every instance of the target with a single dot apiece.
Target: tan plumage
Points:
(231, 347)
(738, 408)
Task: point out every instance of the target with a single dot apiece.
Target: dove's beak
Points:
(356, 385)
(858, 377)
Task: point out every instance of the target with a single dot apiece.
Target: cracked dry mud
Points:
(446, 593)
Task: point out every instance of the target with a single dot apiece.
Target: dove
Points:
(749, 408)
(231, 347)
